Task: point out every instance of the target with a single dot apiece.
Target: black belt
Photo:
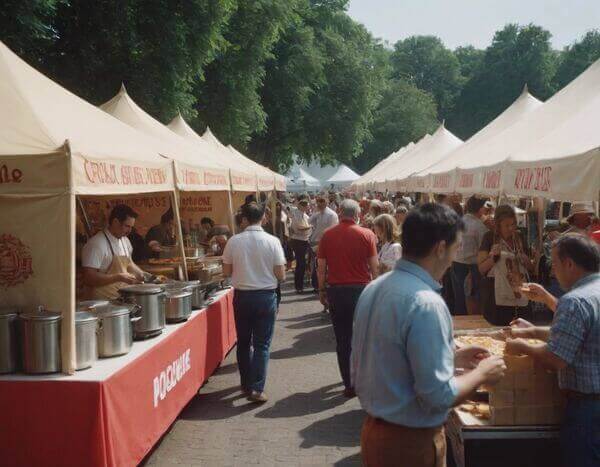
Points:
(576, 395)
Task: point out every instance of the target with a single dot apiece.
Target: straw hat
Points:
(583, 207)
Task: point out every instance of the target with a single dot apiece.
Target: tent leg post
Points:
(179, 231)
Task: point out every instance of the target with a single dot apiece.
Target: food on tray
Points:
(492, 342)
(494, 346)
(479, 410)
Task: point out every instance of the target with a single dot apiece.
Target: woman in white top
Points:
(386, 230)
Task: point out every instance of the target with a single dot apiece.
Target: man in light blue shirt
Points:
(403, 355)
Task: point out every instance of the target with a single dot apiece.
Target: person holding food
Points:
(572, 344)
(505, 266)
(106, 257)
(403, 352)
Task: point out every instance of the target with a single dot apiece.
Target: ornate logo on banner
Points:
(15, 261)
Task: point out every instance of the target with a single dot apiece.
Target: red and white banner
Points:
(116, 421)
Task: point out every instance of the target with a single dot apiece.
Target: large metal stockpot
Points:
(41, 341)
(151, 299)
(198, 291)
(178, 305)
(86, 345)
(115, 329)
(9, 339)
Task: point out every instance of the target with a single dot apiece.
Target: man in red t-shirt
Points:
(347, 259)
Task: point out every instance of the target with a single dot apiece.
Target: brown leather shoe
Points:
(258, 397)
(349, 393)
(246, 392)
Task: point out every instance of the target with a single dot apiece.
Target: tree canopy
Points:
(280, 79)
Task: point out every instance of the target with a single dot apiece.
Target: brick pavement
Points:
(307, 421)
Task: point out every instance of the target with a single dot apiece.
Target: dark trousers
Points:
(579, 439)
(315, 264)
(342, 303)
(254, 313)
(300, 248)
(459, 273)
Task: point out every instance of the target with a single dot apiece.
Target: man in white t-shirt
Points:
(106, 257)
(256, 263)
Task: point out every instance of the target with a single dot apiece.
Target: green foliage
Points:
(229, 100)
(469, 59)
(26, 26)
(404, 114)
(279, 78)
(156, 47)
(517, 56)
(576, 58)
(426, 62)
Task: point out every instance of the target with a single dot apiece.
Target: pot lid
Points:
(8, 312)
(87, 304)
(141, 289)
(178, 293)
(110, 310)
(42, 315)
(84, 317)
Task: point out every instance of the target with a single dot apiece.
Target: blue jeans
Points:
(580, 434)
(254, 312)
(459, 274)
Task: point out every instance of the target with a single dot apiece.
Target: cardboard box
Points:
(502, 415)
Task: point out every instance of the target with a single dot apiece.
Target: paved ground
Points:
(307, 421)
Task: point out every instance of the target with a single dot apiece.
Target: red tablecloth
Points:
(115, 421)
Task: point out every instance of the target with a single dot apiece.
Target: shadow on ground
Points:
(315, 341)
(217, 405)
(337, 430)
(306, 403)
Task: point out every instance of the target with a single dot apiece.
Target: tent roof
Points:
(567, 125)
(475, 151)
(43, 115)
(344, 174)
(171, 145)
(429, 152)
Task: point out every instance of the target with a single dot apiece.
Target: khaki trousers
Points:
(384, 444)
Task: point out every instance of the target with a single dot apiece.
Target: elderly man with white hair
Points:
(347, 262)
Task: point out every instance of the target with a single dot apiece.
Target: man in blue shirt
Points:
(403, 354)
(572, 344)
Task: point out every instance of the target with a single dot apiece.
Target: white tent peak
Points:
(123, 89)
(525, 89)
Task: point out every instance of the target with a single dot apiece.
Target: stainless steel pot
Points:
(86, 345)
(115, 329)
(9, 340)
(151, 299)
(178, 305)
(198, 291)
(91, 304)
(41, 342)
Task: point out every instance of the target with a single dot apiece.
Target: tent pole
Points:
(175, 203)
(68, 347)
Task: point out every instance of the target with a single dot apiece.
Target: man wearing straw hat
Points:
(580, 218)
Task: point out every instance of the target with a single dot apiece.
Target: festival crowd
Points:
(391, 272)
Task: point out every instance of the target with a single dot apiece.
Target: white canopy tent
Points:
(242, 177)
(365, 181)
(552, 152)
(441, 143)
(299, 180)
(53, 147)
(442, 177)
(342, 178)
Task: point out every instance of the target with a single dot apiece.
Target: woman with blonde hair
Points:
(386, 229)
(505, 265)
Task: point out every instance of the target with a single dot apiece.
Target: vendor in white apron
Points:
(505, 266)
(106, 257)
